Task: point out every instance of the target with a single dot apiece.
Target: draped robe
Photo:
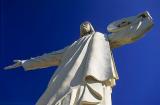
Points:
(86, 72)
(86, 69)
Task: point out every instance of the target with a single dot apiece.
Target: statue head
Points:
(139, 23)
(86, 28)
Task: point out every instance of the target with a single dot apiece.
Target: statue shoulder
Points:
(101, 34)
(98, 33)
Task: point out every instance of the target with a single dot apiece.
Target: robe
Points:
(85, 74)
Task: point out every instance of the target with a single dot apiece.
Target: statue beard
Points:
(85, 32)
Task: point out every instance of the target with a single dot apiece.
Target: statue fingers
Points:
(8, 67)
(12, 66)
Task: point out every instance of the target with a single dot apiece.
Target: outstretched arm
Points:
(46, 60)
(129, 29)
(123, 38)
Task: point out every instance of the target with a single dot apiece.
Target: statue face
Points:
(86, 27)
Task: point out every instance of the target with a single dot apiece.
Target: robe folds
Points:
(85, 75)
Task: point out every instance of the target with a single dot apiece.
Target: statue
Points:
(86, 70)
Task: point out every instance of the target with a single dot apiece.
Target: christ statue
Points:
(86, 70)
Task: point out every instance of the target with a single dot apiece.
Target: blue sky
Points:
(32, 27)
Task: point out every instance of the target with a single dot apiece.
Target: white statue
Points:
(86, 71)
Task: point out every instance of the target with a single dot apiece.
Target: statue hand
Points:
(17, 63)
